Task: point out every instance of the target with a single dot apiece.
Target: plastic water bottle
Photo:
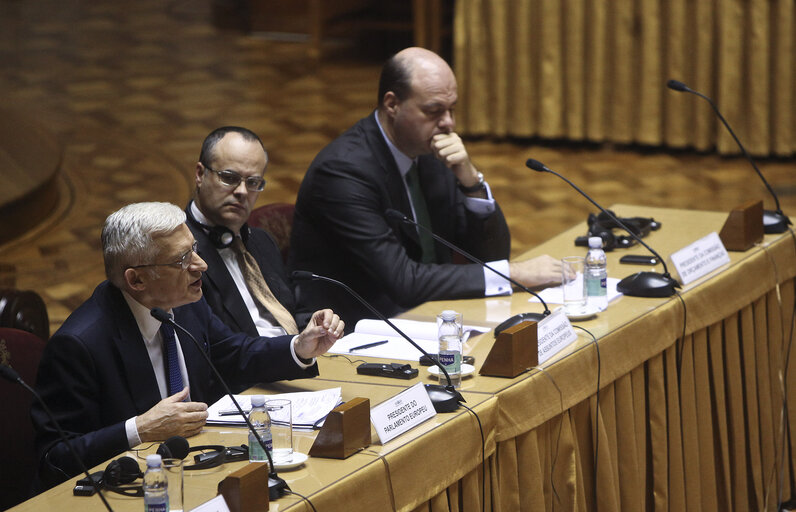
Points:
(450, 349)
(596, 274)
(261, 421)
(156, 486)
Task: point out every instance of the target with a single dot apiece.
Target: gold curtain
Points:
(595, 70)
(705, 437)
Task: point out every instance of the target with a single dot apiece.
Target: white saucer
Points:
(582, 314)
(467, 369)
(297, 460)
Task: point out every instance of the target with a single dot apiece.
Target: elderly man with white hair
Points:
(116, 377)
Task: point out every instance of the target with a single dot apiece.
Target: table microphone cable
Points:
(383, 460)
(596, 411)
(558, 436)
(784, 425)
(483, 457)
(291, 491)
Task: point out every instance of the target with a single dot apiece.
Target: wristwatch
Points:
(474, 188)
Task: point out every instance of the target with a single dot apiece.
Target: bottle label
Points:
(256, 453)
(451, 361)
(159, 504)
(596, 287)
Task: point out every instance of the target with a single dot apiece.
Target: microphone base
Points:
(277, 487)
(443, 399)
(648, 284)
(775, 222)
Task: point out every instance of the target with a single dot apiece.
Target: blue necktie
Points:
(173, 374)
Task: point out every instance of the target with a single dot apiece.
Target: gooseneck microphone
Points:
(642, 284)
(11, 375)
(444, 398)
(535, 317)
(276, 485)
(773, 221)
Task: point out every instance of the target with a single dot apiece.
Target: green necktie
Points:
(421, 214)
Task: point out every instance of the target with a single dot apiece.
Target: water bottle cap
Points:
(154, 460)
(595, 242)
(258, 400)
(449, 315)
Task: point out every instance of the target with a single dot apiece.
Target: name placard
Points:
(554, 332)
(700, 258)
(217, 504)
(401, 413)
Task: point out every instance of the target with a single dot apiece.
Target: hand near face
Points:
(172, 417)
(450, 150)
(324, 329)
(536, 271)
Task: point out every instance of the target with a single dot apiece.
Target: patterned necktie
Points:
(173, 373)
(259, 288)
(421, 215)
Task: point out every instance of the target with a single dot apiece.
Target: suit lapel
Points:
(394, 184)
(133, 355)
(218, 274)
(194, 361)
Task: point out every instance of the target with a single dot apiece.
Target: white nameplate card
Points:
(553, 333)
(401, 413)
(217, 504)
(700, 258)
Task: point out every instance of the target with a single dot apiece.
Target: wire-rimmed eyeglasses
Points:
(184, 262)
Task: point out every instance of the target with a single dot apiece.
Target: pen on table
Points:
(368, 345)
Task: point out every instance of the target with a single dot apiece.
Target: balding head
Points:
(417, 95)
(402, 69)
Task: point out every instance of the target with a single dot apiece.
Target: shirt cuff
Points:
(296, 358)
(493, 283)
(481, 206)
(132, 432)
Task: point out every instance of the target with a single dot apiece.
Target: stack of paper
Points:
(309, 408)
(370, 331)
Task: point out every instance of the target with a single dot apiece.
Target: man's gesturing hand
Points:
(320, 334)
(172, 417)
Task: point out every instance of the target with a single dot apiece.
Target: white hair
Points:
(128, 232)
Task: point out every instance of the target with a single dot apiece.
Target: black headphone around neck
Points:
(220, 236)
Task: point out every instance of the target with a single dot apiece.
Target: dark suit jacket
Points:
(340, 230)
(220, 291)
(95, 373)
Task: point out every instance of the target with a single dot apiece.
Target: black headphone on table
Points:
(602, 225)
(125, 470)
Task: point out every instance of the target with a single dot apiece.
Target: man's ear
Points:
(200, 174)
(390, 102)
(132, 277)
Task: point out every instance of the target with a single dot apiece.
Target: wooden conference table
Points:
(683, 422)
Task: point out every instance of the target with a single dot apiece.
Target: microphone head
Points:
(302, 275)
(9, 373)
(536, 165)
(676, 85)
(395, 215)
(160, 314)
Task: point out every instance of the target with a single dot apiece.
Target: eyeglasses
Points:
(233, 179)
(184, 262)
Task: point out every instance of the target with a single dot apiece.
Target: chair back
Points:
(18, 462)
(25, 310)
(277, 219)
